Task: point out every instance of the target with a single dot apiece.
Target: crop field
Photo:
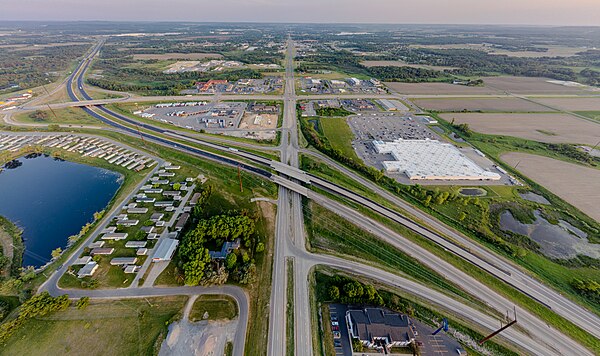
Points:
(550, 127)
(574, 183)
(572, 104)
(438, 89)
(529, 85)
(184, 56)
(553, 51)
(505, 104)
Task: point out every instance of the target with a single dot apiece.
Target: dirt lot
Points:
(571, 182)
(402, 64)
(438, 89)
(553, 128)
(527, 85)
(266, 121)
(572, 104)
(189, 56)
(506, 104)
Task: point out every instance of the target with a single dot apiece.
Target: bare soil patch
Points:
(529, 85)
(184, 56)
(507, 104)
(572, 104)
(571, 182)
(438, 89)
(552, 128)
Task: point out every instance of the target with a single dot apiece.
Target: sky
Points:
(521, 12)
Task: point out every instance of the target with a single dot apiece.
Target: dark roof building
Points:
(378, 329)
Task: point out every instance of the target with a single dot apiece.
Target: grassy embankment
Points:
(216, 307)
(67, 116)
(105, 327)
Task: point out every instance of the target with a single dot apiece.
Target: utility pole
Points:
(502, 328)
(141, 136)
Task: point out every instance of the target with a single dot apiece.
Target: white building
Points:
(430, 160)
(165, 250)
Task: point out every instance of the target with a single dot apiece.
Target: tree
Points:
(56, 253)
(260, 247)
(230, 261)
(82, 303)
(245, 257)
(462, 216)
(334, 293)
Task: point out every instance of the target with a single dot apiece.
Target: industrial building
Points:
(430, 160)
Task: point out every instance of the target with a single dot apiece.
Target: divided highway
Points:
(290, 238)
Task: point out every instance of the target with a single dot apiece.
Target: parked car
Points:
(337, 343)
(336, 335)
(334, 317)
(335, 323)
(335, 328)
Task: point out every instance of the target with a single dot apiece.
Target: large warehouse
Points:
(430, 160)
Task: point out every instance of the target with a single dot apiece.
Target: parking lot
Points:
(197, 115)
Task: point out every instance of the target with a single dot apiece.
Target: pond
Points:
(52, 199)
(562, 241)
(536, 198)
(473, 192)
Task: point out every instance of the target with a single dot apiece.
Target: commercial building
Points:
(379, 329)
(165, 250)
(430, 160)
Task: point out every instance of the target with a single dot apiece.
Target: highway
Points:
(290, 238)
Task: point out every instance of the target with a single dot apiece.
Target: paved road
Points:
(291, 242)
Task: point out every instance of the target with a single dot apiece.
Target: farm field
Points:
(572, 104)
(439, 89)
(184, 56)
(553, 51)
(571, 182)
(529, 85)
(505, 104)
(549, 127)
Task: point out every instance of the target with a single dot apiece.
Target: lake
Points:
(52, 199)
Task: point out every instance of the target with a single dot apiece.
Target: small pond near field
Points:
(557, 241)
(51, 199)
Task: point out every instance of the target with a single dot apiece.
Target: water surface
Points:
(51, 200)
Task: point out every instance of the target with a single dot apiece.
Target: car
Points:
(337, 335)
(335, 328)
(335, 323)
(337, 343)
(334, 317)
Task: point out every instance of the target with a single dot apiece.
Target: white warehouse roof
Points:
(431, 160)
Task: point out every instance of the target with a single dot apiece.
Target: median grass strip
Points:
(105, 327)
(214, 307)
(290, 336)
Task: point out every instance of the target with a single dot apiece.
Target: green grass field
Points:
(290, 336)
(115, 327)
(216, 307)
(67, 116)
(340, 136)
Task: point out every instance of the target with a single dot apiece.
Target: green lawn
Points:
(217, 307)
(290, 336)
(108, 327)
(340, 136)
(591, 114)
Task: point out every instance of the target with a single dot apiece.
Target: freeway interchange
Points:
(533, 336)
